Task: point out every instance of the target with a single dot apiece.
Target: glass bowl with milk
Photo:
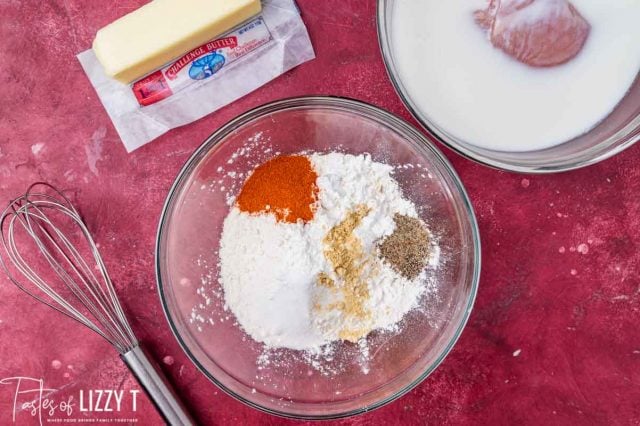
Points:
(488, 77)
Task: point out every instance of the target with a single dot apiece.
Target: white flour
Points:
(269, 269)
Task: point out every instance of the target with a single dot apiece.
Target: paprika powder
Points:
(285, 186)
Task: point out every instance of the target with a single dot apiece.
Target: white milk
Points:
(479, 94)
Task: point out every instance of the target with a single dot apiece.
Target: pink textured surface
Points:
(554, 336)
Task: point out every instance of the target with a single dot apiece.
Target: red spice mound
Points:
(285, 186)
(539, 33)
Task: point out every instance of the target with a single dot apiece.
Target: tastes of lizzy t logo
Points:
(32, 398)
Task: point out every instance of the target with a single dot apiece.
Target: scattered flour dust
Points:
(269, 270)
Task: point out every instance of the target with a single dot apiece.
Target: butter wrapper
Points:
(202, 62)
(206, 78)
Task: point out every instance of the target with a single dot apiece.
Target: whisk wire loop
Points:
(41, 216)
(16, 258)
(82, 270)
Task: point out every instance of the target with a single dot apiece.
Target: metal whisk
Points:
(46, 241)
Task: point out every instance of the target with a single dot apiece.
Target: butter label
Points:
(201, 63)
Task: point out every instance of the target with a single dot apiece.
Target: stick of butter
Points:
(162, 30)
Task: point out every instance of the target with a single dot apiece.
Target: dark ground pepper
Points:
(407, 248)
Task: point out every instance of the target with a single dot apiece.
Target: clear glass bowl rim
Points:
(593, 155)
(350, 105)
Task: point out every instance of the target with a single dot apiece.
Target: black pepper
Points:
(406, 250)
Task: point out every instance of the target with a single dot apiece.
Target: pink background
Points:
(554, 336)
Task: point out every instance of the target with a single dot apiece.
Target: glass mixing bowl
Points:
(616, 132)
(187, 264)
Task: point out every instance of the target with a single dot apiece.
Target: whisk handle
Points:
(157, 388)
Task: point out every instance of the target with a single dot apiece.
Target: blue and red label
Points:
(201, 63)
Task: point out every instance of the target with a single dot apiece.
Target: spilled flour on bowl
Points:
(313, 287)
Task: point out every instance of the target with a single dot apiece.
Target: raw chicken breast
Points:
(539, 33)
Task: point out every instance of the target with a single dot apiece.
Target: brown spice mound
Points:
(326, 281)
(345, 252)
(407, 248)
(285, 186)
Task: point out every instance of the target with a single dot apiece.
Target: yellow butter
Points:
(163, 30)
